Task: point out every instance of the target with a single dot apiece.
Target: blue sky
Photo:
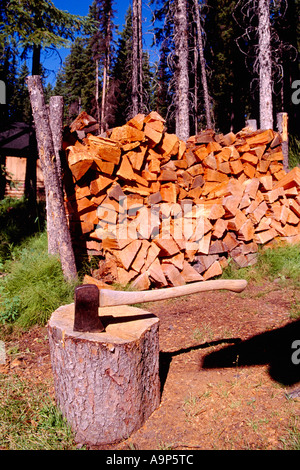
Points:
(81, 7)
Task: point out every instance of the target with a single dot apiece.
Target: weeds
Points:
(34, 286)
(281, 262)
(28, 418)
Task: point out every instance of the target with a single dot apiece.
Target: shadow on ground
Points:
(280, 348)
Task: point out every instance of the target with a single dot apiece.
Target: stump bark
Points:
(106, 384)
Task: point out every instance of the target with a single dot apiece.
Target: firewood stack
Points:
(161, 212)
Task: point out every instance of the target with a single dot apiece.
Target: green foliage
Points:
(29, 419)
(294, 151)
(76, 81)
(282, 262)
(17, 222)
(39, 22)
(34, 285)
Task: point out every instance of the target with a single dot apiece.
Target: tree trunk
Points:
(58, 231)
(265, 66)
(103, 101)
(99, 119)
(203, 67)
(140, 54)
(182, 74)
(56, 117)
(106, 384)
(135, 59)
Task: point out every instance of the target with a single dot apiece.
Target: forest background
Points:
(111, 74)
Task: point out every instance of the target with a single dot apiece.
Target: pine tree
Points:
(101, 45)
(76, 80)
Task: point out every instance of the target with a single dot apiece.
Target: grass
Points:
(18, 221)
(29, 419)
(34, 285)
(281, 262)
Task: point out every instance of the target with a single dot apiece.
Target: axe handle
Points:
(111, 297)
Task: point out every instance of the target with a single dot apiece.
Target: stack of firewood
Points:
(159, 211)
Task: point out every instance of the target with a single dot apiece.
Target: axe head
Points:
(86, 309)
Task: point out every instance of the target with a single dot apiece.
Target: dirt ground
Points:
(227, 378)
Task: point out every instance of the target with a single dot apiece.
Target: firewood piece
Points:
(177, 260)
(266, 182)
(249, 170)
(219, 228)
(292, 178)
(168, 192)
(266, 236)
(230, 241)
(251, 187)
(168, 247)
(236, 167)
(168, 175)
(250, 158)
(295, 207)
(125, 171)
(260, 138)
(214, 175)
(227, 139)
(264, 224)
(153, 135)
(137, 157)
(216, 247)
(127, 255)
(126, 134)
(189, 273)
(99, 184)
(152, 254)
(141, 256)
(137, 121)
(213, 271)
(195, 170)
(105, 149)
(259, 212)
(246, 232)
(156, 273)
(172, 274)
(204, 244)
(79, 161)
(237, 221)
(142, 282)
(169, 144)
(200, 153)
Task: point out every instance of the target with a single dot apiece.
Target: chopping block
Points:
(105, 359)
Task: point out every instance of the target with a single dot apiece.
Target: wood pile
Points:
(162, 212)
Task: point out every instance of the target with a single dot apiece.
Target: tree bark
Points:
(56, 117)
(203, 67)
(58, 231)
(140, 54)
(106, 384)
(182, 74)
(265, 65)
(135, 59)
(99, 118)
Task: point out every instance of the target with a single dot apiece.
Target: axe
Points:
(88, 299)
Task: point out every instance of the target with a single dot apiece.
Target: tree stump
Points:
(106, 384)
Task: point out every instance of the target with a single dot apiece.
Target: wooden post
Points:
(282, 127)
(58, 230)
(56, 112)
(252, 124)
(106, 384)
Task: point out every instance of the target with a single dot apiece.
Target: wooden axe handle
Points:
(110, 297)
